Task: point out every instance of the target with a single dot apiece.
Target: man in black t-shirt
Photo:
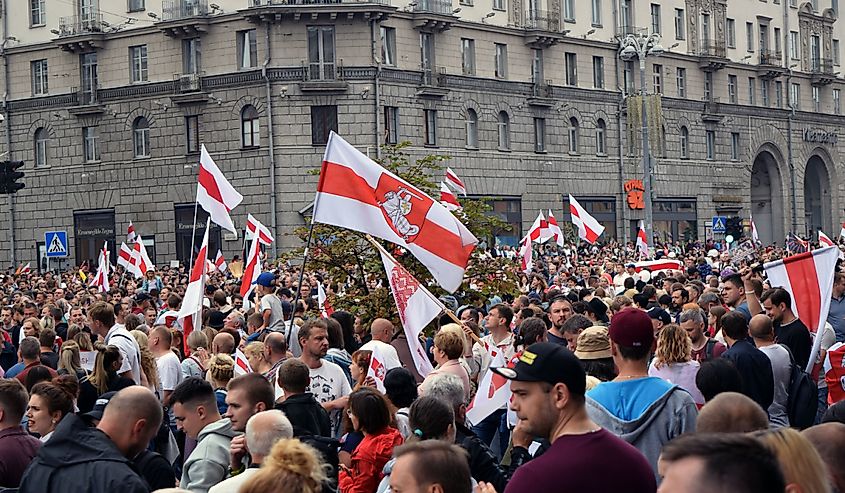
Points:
(789, 329)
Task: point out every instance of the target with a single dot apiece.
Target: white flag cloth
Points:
(242, 366)
(642, 240)
(526, 254)
(554, 229)
(131, 237)
(220, 262)
(190, 316)
(655, 266)
(253, 225)
(326, 309)
(808, 277)
(142, 259)
(754, 235)
(448, 199)
(101, 278)
(539, 231)
(377, 368)
(126, 259)
(589, 229)
(493, 390)
(842, 231)
(417, 308)
(214, 192)
(824, 240)
(354, 192)
(252, 269)
(456, 183)
(169, 318)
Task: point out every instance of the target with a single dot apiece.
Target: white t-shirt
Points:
(328, 382)
(119, 337)
(391, 357)
(169, 371)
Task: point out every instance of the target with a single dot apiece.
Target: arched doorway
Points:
(767, 204)
(816, 197)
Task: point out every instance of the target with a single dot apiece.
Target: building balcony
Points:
(184, 18)
(712, 111)
(821, 71)
(542, 29)
(433, 83)
(260, 11)
(771, 64)
(81, 33)
(712, 55)
(323, 77)
(541, 94)
(188, 89)
(433, 15)
(627, 29)
(87, 102)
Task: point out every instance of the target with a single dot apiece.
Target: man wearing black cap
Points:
(659, 317)
(646, 412)
(548, 384)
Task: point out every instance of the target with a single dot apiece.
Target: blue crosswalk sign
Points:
(719, 223)
(56, 242)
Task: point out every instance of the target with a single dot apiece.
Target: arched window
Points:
(249, 126)
(42, 141)
(684, 143)
(472, 128)
(601, 130)
(504, 125)
(141, 137)
(573, 135)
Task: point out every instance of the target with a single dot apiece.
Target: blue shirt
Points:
(13, 371)
(836, 317)
(629, 399)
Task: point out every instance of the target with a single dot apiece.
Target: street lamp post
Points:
(641, 45)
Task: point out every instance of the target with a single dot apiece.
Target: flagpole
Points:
(194, 233)
(296, 296)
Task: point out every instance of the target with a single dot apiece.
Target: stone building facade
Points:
(108, 102)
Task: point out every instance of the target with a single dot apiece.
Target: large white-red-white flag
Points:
(754, 235)
(456, 183)
(190, 316)
(448, 199)
(126, 259)
(554, 229)
(526, 254)
(142, 259)
(642, 240)
(655, 266)
(824, 240)
(253, 225)
(808, 277)
(242, 366)
(539, 231)
(252, 269)
(214, 192)
(131, 236)
(220, 262)
(416, 305)
(101, 278)
(326, 309)
(589, 229)
(493, 389)
(356, 193)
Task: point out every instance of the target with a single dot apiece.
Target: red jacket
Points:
(368, 461)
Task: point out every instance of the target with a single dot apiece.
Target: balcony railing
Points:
(542, 89)
(443, 7)
(541, 20)
(712, 48)
(433, 76)
(81, 24)
(267, 3)
(172, 10)
(627, 29)
(821, 66)
(86, 96)
(771, 57)
(188, 82)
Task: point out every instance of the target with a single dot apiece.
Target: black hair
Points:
(716, 376)
(430, 418)
(400, 387)
(193, 390)
(602, 368)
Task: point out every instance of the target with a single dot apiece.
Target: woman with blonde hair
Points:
(254, 352)
(802, 466)
(291, 466)
(32, 327)
(221, 369)
(70, 362)
(149, 368)
(82, 338)
(104, 378)
(673, 361)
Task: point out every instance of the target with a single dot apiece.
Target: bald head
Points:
(382, 330)
(731, 412)
(223, 343)
(761, 328)
(264, 429)
(131, 419)
(829, 441)
(276, 346)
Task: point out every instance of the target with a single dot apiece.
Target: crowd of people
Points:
(621, 379)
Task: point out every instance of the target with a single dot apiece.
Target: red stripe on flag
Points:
(208, 182)
(806, 293)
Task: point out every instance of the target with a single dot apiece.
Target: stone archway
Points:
(817, 198)
(767, 201)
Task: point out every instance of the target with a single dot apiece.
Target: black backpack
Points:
(803, 402)
(328, 448)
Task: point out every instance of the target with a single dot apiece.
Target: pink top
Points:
(454, 367)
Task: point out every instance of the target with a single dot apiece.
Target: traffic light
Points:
(9, 176)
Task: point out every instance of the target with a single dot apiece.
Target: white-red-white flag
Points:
(101, 278)
(214, 192)
(190, 315)
(253, 225)
(448, 199)
(834, 372)
(754, 235)
(356, 193)
(220, 262)
(539, 231)
(493, 389)
(131, 236)
(808, 277)
(456, 183)
(526, 254)
(126, 259)
(416, 305)
(142, 259)
(655, 266)
(642, 240)
(326, 309)
(252, 269)
(26, 269)
(554, 229)
(377, 369)
(242, 366)
(824, 240)
(589, 229)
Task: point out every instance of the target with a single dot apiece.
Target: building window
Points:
(501, 61)
(764, 92)
(138, 63)
(793, 45)
(657, 78)
(89, 144)
(250, 128)
(37, 14)
(323, 123)
(601, 132)
(679, 24)
(711, 144)
(39, 77)
(191, 56)
(499, 5)
(427, 57)
(732, 89)
(603, 210)
(141, 137)
(730, 33)
(537, 67)
(752, 90)
(504, 127)
(816, 99)
(539, 134)
(681, 79)
(90, 78)
(628, 77)
(776, 32)
(835, 49)
(795, 96)
(247, 49)
(684, 143)
(187, 236)
(136, 5)
(42, 140)
(574, 145)
(388, 46)
(569, 10)
(468, 56)
(596, 17)
(321, 54)
(598, 72)
(430, 127)
(778, 94)
(472, 128)
(837, 102)
(571, 62)
(749, 36)
(734, 146)
(192, 134)
(655, 18)
(391, 125)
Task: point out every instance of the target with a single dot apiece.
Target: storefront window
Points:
(184, 225)
(675, 220)
(508, 210)
(91, 230)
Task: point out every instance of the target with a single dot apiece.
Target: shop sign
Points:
(635, 189)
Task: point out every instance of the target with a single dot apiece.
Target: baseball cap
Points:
(99, 408)
(593, 343)
(657, 313)
(550, 363)
(631, 265)
(266, 279)
(631, 327)
(142, 296)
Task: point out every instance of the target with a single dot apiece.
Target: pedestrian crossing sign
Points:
(56, 242)
(719, 224)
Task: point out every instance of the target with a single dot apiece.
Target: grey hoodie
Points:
(208, 463)
(671, 415)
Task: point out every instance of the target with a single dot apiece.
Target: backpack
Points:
(803, 401)
(328, 448)
(708, 349)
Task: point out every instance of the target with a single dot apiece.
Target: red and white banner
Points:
(540, 231)
(169, 319)
(377, 369)
(326, 309)
(589, 229)
(190, 315)
(448, 199)
(526, 254)
(220, 262)
(655, 266)
(356, 193)
(126, 259)
(824, 241)
(808, 277)
(215, 194)
(834, 373)
(554, 230)
(24, 269)
(754, 235)
(131, 237)
(142, 259)
(101, 278)
(253, 225)
(642, 240)
(493, 389)
(417, 307)
(456, 183)
(242, 366)
(252, 269)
